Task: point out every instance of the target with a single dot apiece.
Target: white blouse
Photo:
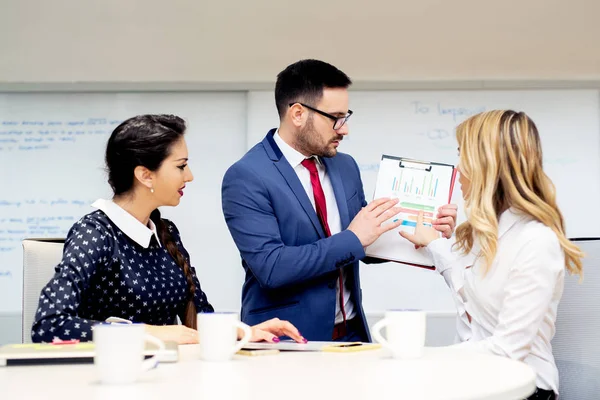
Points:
(513, 306)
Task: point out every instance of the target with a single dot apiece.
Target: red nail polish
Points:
(276, 339)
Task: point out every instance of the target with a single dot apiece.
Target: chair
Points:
(40, 256)
(576, 345)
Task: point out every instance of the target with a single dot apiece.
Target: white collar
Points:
(293, 156)
(507, 219)
(126, 222)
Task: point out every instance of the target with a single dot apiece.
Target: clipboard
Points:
(421, 186)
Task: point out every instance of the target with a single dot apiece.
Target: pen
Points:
(59, 341)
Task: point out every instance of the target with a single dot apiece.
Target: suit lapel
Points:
(340, 198)
(338, 190)
(292, 180)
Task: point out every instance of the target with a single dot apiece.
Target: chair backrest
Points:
(576, 344)
(40, 256)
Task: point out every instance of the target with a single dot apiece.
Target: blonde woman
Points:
(507, 265)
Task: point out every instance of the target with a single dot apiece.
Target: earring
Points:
(152, 190)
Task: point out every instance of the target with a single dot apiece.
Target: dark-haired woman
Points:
(123, 260)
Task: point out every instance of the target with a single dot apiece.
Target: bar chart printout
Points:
(420, 187)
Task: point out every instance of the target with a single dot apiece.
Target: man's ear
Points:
(144, 176)
(295, 114)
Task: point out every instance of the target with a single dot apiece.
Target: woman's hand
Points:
(445, 221)
(180, 334)
(270, 331)
(423, 234)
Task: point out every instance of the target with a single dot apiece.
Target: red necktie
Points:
(321, 206)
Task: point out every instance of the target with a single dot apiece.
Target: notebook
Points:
(78, 353)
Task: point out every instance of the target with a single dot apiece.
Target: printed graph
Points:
(419, 183)
(410, 212)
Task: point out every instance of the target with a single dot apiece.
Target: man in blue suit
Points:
(297, 212)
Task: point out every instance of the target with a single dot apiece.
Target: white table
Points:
(441, 374)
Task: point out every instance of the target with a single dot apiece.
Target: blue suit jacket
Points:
(291, 266)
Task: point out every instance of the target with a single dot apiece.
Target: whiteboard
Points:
(52, 149)
(421, 125)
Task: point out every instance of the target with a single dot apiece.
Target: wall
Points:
(238, 41)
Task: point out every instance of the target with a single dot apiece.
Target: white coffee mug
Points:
(217, 333)
(405, 332)
(119, 352)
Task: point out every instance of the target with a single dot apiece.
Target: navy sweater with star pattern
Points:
(104, 273)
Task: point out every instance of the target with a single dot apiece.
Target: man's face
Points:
(317, 136)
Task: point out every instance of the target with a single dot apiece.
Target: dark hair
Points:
(304, 81)
(146, 140)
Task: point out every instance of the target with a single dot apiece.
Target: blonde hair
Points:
(501, 156)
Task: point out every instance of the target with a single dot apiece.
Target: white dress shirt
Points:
(295, 158)
(131, 226)
(513, 306)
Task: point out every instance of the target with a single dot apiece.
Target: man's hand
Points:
(367, 223)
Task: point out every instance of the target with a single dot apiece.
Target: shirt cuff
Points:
(441, 252)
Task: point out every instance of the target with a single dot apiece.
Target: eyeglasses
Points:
(338, 122)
